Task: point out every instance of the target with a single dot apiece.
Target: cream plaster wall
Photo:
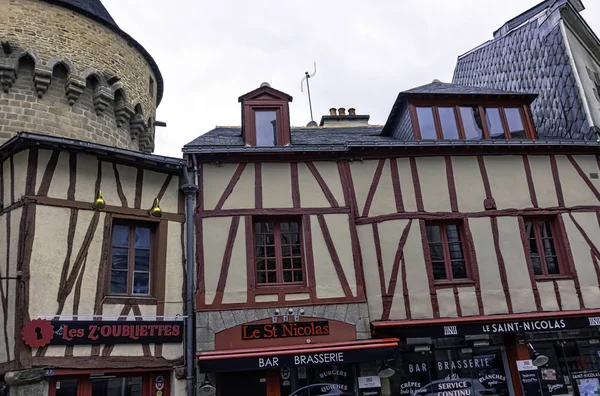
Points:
(242, 195)
(470, 192)
(331, 175)
(311, 195)
(446, 303)
(327, 282)
(406, 185)
(390, 233)
(583, 60)
(43, 158)
(108, 184)
(434, 184)
(87, 173)
(153, 182)
(4, 354)
(384, 200)
(416, 272)
(543, 182)
(519, 283)
(339, 228)
(128, 177)
(215, 180)
(588, 280)
(15, 222)
(6, 181)
(575, 190)
(267, 298)
(371, 275)
(547, 296)
(236, 287)
(276, 185)
(492, 294)
(467, 298)
(508, 183)
(568, 295)
(175, 273)
(21, 161)
(362, 177)
(297, 296)
(214, 242)
(60, 180)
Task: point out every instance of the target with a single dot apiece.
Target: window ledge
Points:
(462, 282)
(272, 289)
(548, 278)
(130, 300)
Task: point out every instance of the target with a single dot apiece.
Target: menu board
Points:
(530, 378)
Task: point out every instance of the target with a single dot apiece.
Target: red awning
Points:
(295, 355)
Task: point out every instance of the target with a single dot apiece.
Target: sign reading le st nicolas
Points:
(285, 330)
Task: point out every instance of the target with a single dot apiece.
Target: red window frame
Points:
(279, 252)
(446, 253)
(283, 123)
(558, 242)
(524, 111)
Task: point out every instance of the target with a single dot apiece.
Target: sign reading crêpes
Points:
(285, 330)
(39, 332)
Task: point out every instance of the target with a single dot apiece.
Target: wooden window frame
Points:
(524, 111)
(84, 380)
(469, 280)
(283, 124)
(288, 286)
(155, 243)
(559, 247)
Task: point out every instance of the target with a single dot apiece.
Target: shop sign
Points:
(369, 386)
(525, 365)
(585, 374)
(501, 327)
(447, 365)
(39, 332)
(295, 360)
(285, 330)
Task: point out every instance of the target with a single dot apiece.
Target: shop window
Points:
(542, 247)
(446, 252)
(278, 252)
(131, 258)
(462, 371)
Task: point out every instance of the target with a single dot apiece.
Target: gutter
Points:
(189, 188)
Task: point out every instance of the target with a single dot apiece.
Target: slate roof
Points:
(95, 10)
(91, 8)
(440, 88)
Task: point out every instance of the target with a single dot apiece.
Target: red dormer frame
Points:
(266, 98)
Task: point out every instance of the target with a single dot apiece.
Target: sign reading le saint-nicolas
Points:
(285, 330)
(39, 332)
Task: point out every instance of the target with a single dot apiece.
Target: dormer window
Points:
(471, 122)
(266, 117)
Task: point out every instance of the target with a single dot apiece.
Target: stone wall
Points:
(39, 100)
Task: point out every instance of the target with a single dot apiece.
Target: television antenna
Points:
(306, 77)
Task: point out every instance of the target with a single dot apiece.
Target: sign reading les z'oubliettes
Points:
(285, 330)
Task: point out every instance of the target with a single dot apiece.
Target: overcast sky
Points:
(210, 52)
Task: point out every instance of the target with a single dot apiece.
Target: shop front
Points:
(291, 359)
(548, 354)
(99, 357)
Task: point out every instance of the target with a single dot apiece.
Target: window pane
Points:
(119, 386)
(297, 263)
(426, 123)
(529, 229)
(471, 122)
(118, 282)
(261, 277)
(448, 121)
(492, 115)
(142, 237)
(434, 234)
(456, 252)
(453, 234)
(287, 276)
(439, 270)
(271, 264)
(142, 260)
(287, 263)
(515, 124)
(272, 277)
(260, 265)
(533, 248)
(537, 265)
(120, 235)
(141, 283)
(459, 269)
(552, 264)
(548, 245)
(119, 258)
(545, 229)
(437, 251)
(297, 276)
(266, 127)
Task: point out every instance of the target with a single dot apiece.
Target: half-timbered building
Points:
(92, 278)
(441, 245)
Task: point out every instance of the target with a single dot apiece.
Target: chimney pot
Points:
(352, 111)
(342, 111)
(332, 111)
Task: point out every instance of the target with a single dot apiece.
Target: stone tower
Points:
(67, 69)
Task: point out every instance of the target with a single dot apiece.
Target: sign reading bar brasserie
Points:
(502, 327)
(285, 330)
(38, 333)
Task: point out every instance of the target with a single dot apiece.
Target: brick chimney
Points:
(339, 118)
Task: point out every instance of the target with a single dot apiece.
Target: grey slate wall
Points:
(404, 130)
(532, 59)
